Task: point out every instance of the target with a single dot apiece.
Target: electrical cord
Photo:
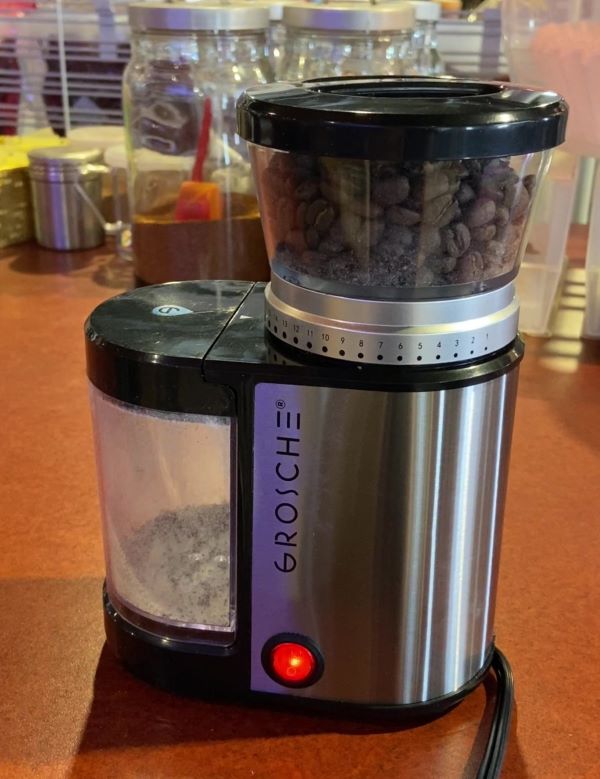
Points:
(495, 749)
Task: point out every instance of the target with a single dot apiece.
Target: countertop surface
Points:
(68, 709)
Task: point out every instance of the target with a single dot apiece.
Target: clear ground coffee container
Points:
(346, 39)
(398, 188)
(166, 456)
(194, 209)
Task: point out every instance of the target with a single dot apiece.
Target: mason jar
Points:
(194, 209)
(347, 39)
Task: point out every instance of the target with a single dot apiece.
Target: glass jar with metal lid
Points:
(346, 39)
(428, 61)
(194, 209)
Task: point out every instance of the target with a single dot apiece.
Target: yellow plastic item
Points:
(14, 148)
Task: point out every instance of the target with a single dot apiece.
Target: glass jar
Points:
(194, 210)
(428, 61)
(346, 39)
(428, 199)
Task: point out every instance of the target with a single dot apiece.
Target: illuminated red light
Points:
(292, 663)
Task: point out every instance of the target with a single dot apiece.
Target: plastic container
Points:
(591, 322)
(345, 39)
(434, 204)
(166, 505)
(194, 210)
(545, 257)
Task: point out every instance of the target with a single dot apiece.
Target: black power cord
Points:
(495, 749)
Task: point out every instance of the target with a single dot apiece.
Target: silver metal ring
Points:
(392, 333)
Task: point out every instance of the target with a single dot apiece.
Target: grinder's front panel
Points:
(376, 525)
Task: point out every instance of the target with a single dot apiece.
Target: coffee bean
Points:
(483, 234)
(390, 190)
(440, 211)
(469, 268)
(307, 190)
(480, 212)
(456, 239)
(502, 216)
(530, 182)
(402, 216)
(465, 194)
(324, 220)
(494, 254)
(314, 209)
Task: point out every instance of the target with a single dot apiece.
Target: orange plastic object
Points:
(199, 201)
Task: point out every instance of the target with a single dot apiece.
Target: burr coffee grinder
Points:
(303, 484)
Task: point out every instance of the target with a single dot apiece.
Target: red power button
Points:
(292, 661)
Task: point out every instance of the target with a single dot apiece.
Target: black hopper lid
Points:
(402, 118)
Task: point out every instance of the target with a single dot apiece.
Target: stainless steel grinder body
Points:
(366, 507)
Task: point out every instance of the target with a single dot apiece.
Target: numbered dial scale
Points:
(390, 333)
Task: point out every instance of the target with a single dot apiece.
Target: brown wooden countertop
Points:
(68, 709)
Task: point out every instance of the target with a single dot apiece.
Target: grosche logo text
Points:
(287, 474)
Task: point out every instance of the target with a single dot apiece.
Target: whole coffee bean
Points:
(402, 216)
(391, 190)
(502, 216)
(480, 212)
(324, 220)
(529, 182)
(440, 211)
(399, 235)
(312, 238)
(469, 268)
(456, 239)
(494, 254)
(307, 190)
(448, 264)
(465, 194)
(314, 209)
(483, 234)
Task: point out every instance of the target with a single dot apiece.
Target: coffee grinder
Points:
(303, 484)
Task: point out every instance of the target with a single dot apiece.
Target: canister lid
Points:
(349, 16)
(402, 118)
(64, 156)
(197, 17)
(63, 163)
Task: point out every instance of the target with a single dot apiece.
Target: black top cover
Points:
(402, 118)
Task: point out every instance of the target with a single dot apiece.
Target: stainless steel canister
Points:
(66, 187)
